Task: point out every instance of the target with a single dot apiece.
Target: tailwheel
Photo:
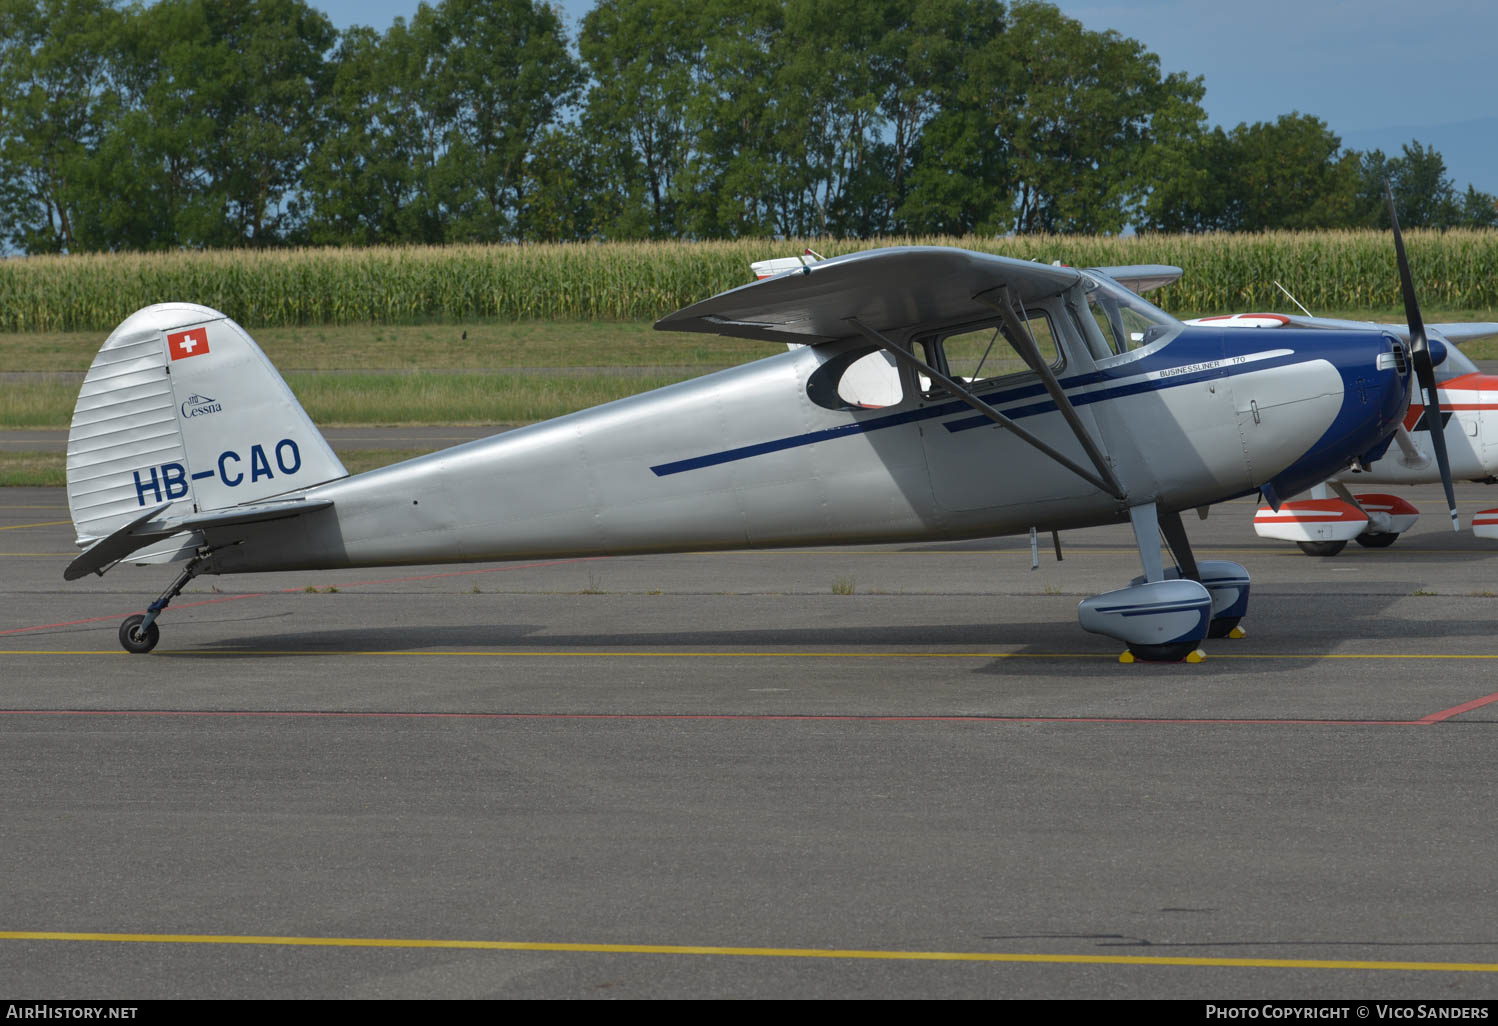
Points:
(136, 640)
(1181, 650)
(1377, 539)
(139, 633)
(1321, 548)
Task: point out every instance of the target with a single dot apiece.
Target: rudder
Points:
(182, 409)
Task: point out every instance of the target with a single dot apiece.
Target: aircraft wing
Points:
(1453, 331)
(885, 289)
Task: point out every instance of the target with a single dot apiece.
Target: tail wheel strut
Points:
(138, 632)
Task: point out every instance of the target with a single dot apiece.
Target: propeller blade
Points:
(1425, 371)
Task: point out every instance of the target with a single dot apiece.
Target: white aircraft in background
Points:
(1323, 524)
(186, 445)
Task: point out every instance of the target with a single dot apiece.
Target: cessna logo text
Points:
(201, 405)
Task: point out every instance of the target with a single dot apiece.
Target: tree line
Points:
(233, 123)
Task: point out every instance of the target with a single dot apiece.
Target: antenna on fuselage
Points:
(1293, 299)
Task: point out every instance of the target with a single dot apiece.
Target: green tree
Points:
(1184, 191)
(916, 61)
(255, 71)
(58, 102)
(1045, 126)
(644, 59)
(496, 75)
(568, 191)
(1424, 194)
(1078, 120)
(1479, 209)
(1289, 174)
(367, 179)
(811, 105)
(730, 186)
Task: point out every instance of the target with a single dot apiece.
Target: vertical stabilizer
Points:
(182, 409)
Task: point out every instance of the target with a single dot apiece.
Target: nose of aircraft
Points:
(1375, 373)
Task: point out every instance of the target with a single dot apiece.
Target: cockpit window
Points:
(982, 352)
(1127, 321)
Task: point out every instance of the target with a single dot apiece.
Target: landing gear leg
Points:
(139, 634)
(1227, 582)
(1161, 616)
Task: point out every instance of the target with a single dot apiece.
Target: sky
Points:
(1378, 72)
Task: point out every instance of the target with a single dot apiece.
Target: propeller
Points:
(1425, 371)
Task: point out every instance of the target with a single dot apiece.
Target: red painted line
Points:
(465, 573)
(1474, 381)
(749, 717)
(1297, 519)
(100, 619)
(1457, 710)
(292, 591)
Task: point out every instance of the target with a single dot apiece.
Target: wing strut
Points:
(1024, 344)
(1107, 483)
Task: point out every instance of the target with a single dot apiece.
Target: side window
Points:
(984, 351)
(860, 379)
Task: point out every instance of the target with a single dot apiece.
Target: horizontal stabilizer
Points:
(1142, 278)
(149, 528)
(1451, 331)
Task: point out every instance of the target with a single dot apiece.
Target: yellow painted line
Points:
(548, 654)
(695, 949)
(592, 655)
(45, 523)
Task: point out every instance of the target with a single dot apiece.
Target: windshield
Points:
(1127, 321)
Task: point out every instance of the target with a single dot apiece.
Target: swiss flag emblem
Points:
(192, 342)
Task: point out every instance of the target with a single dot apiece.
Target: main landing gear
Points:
(1164, 615)
(1372, 540)
(1327, 548)
(1323, 525)
(139, 633)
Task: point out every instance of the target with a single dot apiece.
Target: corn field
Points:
(1331, 270)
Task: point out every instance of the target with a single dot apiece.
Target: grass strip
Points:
(381, 399)
(530, 345)
(32, 469)
(476, 345)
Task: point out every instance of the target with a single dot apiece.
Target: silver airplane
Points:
(1017, 397)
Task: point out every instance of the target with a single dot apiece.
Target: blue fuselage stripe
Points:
(995, 399)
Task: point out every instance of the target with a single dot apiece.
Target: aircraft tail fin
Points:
(182, 412)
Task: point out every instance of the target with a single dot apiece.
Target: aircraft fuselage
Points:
(746, 458)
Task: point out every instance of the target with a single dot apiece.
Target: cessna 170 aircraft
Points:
(187, 445)
(1323, 524)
